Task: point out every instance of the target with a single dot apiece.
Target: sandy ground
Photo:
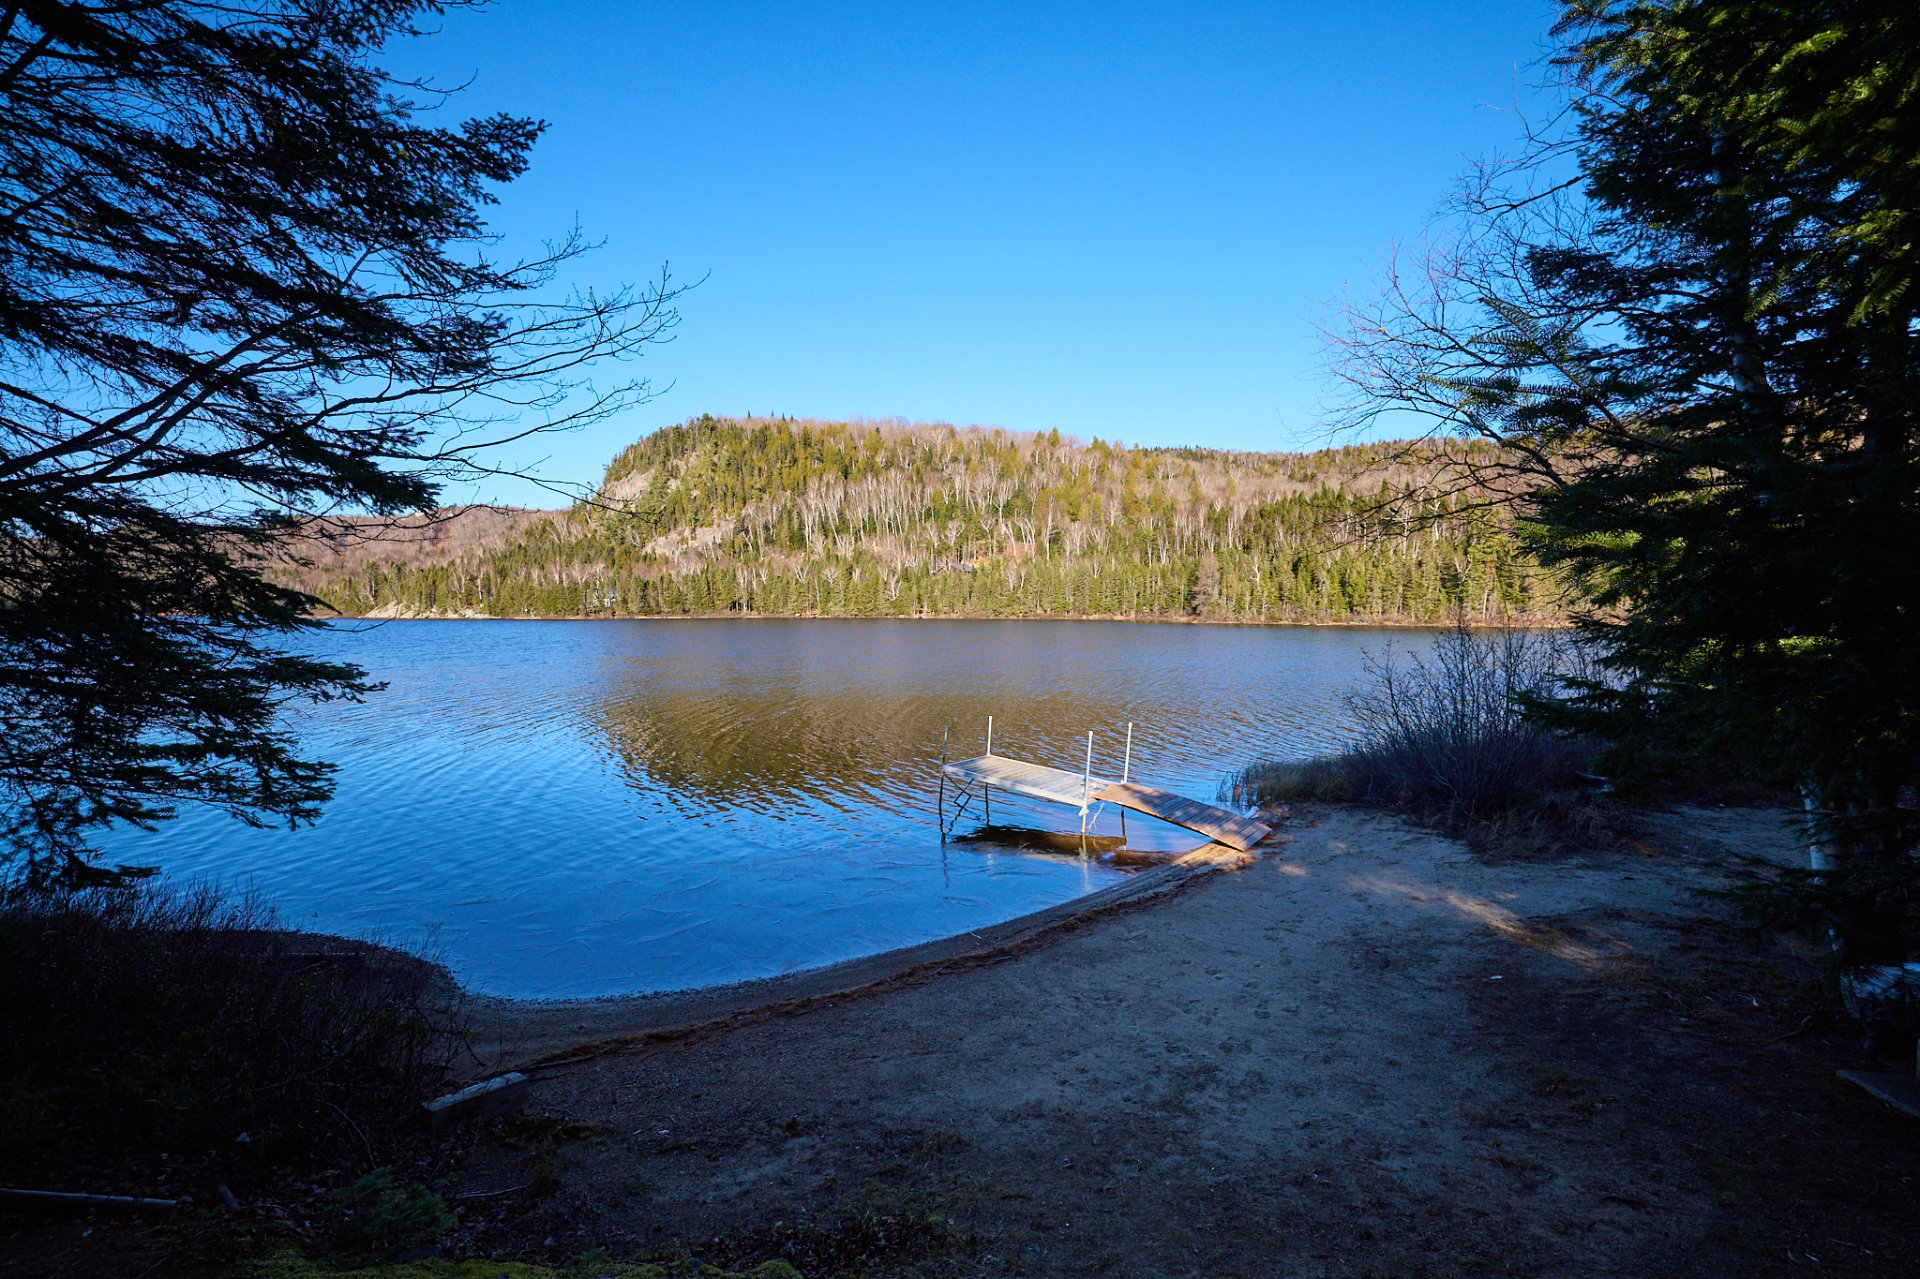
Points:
(1369, 1052)
(1365, 1052)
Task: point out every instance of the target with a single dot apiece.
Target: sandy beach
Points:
(1366, 1052)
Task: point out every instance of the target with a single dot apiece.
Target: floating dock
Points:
(1083, 790)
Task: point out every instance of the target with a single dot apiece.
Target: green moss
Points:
(290, 1263)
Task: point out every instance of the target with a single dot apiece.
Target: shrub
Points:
(380, 1213)
(1448, 733)
(1445, 732)
(141, 1017)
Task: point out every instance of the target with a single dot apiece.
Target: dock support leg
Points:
(940, 813)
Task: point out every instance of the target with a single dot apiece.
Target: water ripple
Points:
(570, 808)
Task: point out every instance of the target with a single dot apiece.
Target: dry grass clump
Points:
(1327, 779)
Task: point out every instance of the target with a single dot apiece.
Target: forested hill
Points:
(764, 516)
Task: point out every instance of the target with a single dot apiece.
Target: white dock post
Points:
(1126, 767)
(1086, 785)
(986, 791)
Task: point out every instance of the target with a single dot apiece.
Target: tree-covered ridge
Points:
(760, 516)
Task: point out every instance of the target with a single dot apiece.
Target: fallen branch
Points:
(58, 1200)
(490, 1194)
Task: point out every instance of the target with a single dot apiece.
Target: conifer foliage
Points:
(1693, 310)
(240, 281)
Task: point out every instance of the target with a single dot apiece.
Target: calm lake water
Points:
(594, 808)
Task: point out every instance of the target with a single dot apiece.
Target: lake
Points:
(576, 809)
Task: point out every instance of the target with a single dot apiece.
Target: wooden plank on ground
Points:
(1898, 1088)
(498, 1096)
(1229, 828)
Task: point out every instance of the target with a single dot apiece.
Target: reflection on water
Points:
(591, 808)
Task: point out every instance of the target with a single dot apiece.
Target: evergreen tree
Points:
(1694, 317)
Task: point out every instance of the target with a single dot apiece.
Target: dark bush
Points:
(142, 1018)
(1445, 732)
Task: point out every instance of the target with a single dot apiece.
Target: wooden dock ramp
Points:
(1219, 824)
(1084, 789)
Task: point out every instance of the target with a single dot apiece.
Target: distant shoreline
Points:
(1478, 624)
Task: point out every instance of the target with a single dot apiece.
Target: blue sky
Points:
(1117, 220)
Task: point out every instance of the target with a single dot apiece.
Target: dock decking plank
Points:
(1056, 785)
(1059, 786)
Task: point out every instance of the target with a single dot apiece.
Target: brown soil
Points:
(1368, 1053)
